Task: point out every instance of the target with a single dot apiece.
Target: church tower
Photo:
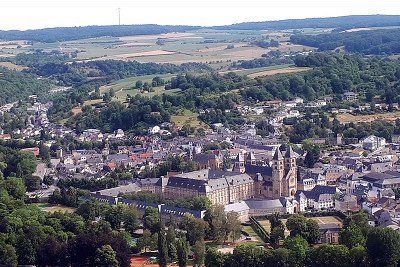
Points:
(239, 163)
(251, 159)
(290, 172)
(278, 173)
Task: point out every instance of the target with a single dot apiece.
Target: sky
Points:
(35, 14)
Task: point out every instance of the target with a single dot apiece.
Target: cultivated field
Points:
(347, 118)
(216, 47)
(12, 66)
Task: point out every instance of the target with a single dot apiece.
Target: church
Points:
(274, 179)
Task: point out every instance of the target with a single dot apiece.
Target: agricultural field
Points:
(216, 47)
(347, 118)
(12, 66)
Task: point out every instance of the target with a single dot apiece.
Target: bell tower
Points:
(278, 172)
(239, 163)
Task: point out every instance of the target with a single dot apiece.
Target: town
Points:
(270, 143)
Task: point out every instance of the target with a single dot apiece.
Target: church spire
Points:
(277, 155)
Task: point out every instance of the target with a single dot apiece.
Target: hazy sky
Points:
(30, 14)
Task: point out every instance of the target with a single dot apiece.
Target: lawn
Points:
(247, 229)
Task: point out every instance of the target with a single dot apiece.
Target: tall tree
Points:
(162, 246)
(183, 252)
(171, 243)
(199, 253)
(106, 257)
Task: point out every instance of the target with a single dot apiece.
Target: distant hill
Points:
(345, 22)
(75, 33)
(50, 35)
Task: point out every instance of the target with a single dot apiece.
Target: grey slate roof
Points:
(277, 155)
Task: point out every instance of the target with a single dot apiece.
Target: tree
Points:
(150, 219)
(148, 241)
(15, 187)
(183, 252)
(214, 258)
(352, 236)
(298, 247)
(131, 219)
(171, 243)
(105, 257)
(48, 180)
(358, 256)
(329, 255)
(246, 255)
(199, 253)
(32, 183)
(297, 225)
(162, 246)
(8, 256)
(313, 234)
(383, 246)
(308, 229)
(277, 234)
(195, 228)
(138, 84)
(359, 219)
(233, 226)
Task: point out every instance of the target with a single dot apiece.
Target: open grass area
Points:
(187, 117)
(327, 220)
(12, 66)
(347, 118)
(266, 225)
(56, 208)
(247, 229)
(283, 70)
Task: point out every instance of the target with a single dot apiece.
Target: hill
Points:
(50, 35)
(344, 22)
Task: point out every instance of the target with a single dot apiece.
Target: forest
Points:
(368, 42)
(17, 85)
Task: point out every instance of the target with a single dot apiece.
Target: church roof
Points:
(290, 153)
(251, 156)
(240, 158)
(277, 155)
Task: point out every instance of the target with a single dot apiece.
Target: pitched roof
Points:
(251, 156)
(277, 155)
(290, 153)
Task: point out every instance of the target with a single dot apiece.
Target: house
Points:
(34, 150)
(329, 233)
(346, 203)
(5, 136)
(271, 206)
(154, 130)
(241, 208)
(207, 161)
(319, 198)
(350, 96)
(373, 142)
